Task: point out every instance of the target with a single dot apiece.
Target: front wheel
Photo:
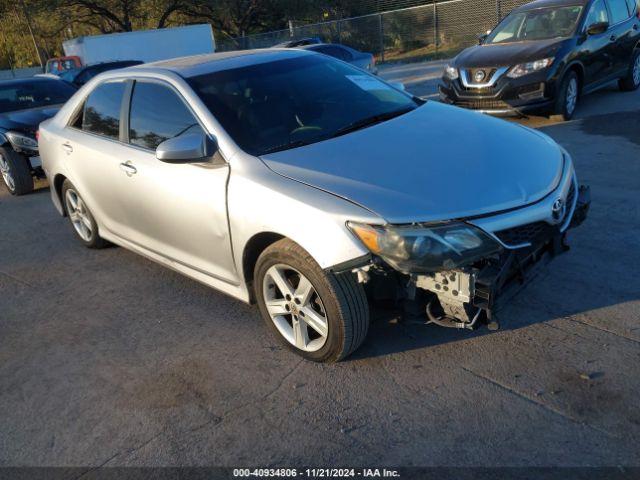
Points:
(80, 217)
(568, 95)
(631, 81)
(323, 317)
(15, 172)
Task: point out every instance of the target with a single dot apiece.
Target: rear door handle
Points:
(67, 148)
(128, 168)
(614, 38)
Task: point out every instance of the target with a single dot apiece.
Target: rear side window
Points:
(619, 10)
(101, 114)
(158, 114)
(597, 14)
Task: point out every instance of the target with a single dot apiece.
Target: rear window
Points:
(619, 11)
(101, 113)
(33, 94)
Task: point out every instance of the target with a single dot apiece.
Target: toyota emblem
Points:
(558, 209)
(479, 76)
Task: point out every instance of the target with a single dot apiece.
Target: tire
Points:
(15, 172)
(631, 81)
(570, 87)
(337, 299)
(81, 219)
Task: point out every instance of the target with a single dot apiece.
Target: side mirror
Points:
(597, 28)
(187, 148)
(483, 37)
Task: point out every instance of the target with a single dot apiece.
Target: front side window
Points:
(538, 24)
(101, 113)
(158, 114)
(619, 11)
(633, 7)
(283, 104)
(597, 14)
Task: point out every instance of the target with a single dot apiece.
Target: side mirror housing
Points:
(483, 37)
(187, 148)
(597, 28)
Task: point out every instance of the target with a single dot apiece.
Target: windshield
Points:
(33, 93)
(539, 24)
(288, 103)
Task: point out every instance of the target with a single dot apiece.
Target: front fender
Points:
(314, 219)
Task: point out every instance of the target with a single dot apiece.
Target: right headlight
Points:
(451, 72)
(426, 249)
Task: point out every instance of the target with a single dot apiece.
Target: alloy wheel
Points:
(636, 71)
(295, 308)
(79, 215)
(572, 95)
(6, 173)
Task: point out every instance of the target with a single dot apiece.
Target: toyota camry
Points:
(312, 188)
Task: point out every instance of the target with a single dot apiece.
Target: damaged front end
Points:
(461, 272)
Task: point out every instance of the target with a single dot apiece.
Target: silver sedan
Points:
(301, 183)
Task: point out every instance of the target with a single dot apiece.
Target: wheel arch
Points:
(580, 72)
(252, 250)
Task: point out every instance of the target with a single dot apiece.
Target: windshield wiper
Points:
(369, 121)
(287, 146)
(352, 127)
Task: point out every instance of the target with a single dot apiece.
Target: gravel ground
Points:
(107, 359)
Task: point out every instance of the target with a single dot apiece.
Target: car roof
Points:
(216, 62)
(551, 3)
(17, 81)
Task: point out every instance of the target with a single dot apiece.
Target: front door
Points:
(598, 58)
(176, 210)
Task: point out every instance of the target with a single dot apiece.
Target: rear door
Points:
(178, 211)
(93, 150)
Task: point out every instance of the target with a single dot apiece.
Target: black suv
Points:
(23, 105)
(543, 56)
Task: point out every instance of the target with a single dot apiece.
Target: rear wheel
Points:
(568, 95)
(631, 81)
(15, 172)
(322, 316)
(80, 217)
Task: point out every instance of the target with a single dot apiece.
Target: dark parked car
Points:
(363, 60)
(80, 76)
(545, 55)
(298, 43)
(23, 105)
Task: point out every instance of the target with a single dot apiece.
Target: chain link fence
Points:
(427, 32)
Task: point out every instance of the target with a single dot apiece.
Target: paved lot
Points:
(107, 359)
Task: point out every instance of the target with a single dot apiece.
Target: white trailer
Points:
(143, 45)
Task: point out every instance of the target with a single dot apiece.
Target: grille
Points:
(483, 104)
(488, 74)
(529, 233)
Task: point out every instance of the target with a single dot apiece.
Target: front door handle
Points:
(128, 168)
(67, 148)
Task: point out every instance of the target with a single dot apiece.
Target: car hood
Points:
(27, 120)
(435, 163)
(507, 54)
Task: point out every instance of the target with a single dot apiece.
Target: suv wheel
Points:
(80, 217)
(631, 81)
(323, 317)
(15, 172)
(568, 96)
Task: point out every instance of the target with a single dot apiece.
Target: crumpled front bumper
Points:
(497, 282)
